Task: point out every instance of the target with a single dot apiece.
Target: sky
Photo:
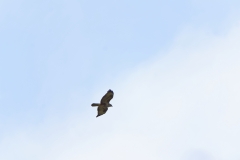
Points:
(173, 66)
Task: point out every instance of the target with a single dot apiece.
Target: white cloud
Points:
(178, 106)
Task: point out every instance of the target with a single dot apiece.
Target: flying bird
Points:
(104, 104)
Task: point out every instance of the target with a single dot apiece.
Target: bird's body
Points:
(104, 104)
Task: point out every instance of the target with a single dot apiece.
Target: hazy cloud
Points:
(182, 105)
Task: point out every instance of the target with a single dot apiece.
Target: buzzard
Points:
(104, 104)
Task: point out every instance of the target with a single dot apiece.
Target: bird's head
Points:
(110, 90)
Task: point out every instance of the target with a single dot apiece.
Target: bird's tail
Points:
(95, 104)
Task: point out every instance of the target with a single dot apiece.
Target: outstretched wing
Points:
(107, 97)
(101, 111)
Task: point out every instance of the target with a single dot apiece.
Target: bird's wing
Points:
(107, 97)
(101, 111)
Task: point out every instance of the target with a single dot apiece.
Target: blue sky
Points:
(56, 57)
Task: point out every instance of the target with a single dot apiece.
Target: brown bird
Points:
(104, 104)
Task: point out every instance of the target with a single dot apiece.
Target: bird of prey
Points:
(104, 104)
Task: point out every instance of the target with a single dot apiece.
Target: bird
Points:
(104, 103)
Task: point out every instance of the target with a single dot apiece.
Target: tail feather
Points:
(95, 104)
